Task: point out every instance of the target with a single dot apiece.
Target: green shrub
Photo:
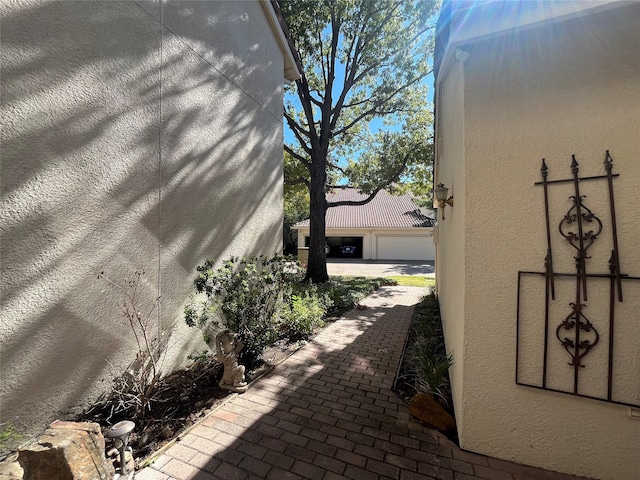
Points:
(305, 313)
(431, 368)
(263, 299)
(247, 296)
(427, 357)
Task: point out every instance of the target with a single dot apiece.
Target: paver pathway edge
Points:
(328, 412)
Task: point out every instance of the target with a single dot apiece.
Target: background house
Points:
(517, 82)
(389, 227)
(135, 136)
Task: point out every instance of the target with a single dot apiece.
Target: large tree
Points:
(361, 97)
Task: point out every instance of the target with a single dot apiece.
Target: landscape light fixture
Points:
(441, 196)
(120, 434)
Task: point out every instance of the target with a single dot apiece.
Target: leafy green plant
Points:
(428, 361)
(263, 299)
(305, 313)
(432, 369)
(245, 295)
(9, 437)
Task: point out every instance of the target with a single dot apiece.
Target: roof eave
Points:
(292, 64)
(452, 32)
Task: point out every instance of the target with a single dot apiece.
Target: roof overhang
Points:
(464, 22)
(292, 67)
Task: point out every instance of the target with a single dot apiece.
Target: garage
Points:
(395, 247)
(388, 227)
(344, 247)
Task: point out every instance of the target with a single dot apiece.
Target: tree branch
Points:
(337, 167)
(375, 109)
(305, 99)
(355, 202)
(350, 73)
(360, 47)
(356, 36)
(394, 177)
(351, 77)
(315, 101)
(297, 156)
(327, 125)
(324, 70)
(297, 181)
(297, 131)
(404, 46)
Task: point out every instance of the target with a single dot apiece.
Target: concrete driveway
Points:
(379, 268)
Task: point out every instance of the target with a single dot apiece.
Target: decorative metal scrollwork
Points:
(577, 218)
(577, 347)
(577, 334)
(586, 215)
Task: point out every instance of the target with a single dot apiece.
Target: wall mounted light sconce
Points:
(441, 196)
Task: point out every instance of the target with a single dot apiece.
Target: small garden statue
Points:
(228, 346)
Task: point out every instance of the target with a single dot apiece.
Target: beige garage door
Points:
(391, 247)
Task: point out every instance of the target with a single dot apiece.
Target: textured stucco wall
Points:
(572, 88)
(450, 241)
(125, 146)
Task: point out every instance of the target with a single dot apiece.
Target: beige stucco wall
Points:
(450, 240)
(573, 88)
(125, 147)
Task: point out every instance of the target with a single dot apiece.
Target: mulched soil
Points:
(181, 399)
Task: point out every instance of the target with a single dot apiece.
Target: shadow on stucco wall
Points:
(125, 146)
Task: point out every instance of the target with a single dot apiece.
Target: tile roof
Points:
(384, 211)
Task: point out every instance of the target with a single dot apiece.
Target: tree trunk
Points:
(317, 266)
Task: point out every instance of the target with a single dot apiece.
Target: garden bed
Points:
(182, 399)
(424, 367)
(187, 395)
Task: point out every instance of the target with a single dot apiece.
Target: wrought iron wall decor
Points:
(575, 333)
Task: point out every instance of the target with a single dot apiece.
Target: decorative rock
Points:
(10, 469)
(66, 451)
(424, 407)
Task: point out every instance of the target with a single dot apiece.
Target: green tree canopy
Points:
(364, 61)
(296, 194)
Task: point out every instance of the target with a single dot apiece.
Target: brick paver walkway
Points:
(328, 412)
